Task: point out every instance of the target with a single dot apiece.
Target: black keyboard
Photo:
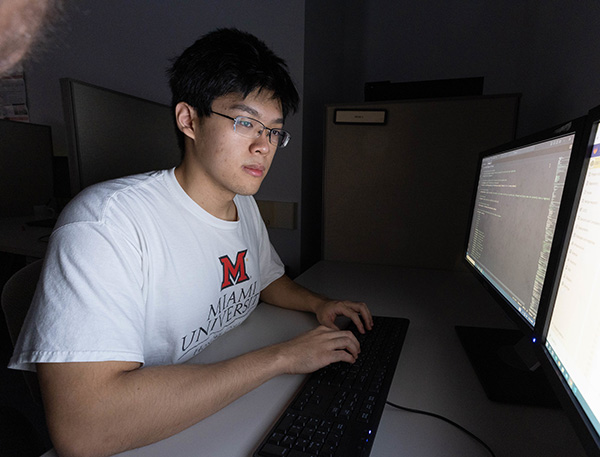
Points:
(337, 411)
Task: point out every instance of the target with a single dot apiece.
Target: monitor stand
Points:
(506, 366)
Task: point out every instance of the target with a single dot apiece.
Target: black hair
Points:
(228, 61)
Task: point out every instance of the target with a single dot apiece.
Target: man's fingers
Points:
(365, 314)
(329, 346)
(356, 318)
(347, 342)
(359, 314)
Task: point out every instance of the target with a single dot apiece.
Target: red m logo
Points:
(234, 274)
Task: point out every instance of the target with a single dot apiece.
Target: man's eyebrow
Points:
(245, 108)
(251, 111)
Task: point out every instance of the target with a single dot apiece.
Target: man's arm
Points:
(285, 293)
(101, 408)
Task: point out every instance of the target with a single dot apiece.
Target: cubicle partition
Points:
(398, 177)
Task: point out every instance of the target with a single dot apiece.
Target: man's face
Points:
(226, 162)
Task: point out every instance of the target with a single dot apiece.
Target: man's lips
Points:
(254, 170)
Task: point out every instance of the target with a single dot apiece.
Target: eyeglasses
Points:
(251, 128)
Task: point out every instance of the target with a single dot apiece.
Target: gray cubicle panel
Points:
(399, 193)
(112, 134)
(26, 173)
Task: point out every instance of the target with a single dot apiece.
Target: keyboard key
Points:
(271, 450)
(276, 438)
(286, 423)
(296, 453)
(314, 447)
(302, 444)
(288, 441)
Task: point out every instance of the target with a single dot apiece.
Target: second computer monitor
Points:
(515, 212)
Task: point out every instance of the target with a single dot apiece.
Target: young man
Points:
(144, 272)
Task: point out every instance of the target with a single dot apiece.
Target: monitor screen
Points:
(520, 190)
(515, 212)
(112, 134)
(572, 327)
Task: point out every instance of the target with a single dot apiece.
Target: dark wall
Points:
(543, 49)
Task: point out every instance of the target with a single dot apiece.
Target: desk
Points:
(16, 237)
(433, 374)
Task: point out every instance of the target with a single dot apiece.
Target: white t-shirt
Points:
(137, 271)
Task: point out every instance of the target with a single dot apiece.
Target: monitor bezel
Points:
(575, 126)
(124, 130)
(588, 436)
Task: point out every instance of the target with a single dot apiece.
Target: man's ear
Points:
(184, 116)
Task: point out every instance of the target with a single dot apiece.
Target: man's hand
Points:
(318, 348)
(358, 312)
(286, 293)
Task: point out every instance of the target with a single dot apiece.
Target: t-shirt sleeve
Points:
(272, 267)
(88, 304)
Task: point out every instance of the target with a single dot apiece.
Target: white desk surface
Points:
(433, 374)
(16, 237)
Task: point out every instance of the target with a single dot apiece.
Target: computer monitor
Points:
(515, 212)
(570, 329)
(112, 134)
(26, 168)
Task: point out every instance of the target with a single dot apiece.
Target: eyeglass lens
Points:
(253, 129)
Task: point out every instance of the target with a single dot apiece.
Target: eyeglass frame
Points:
(285, 138)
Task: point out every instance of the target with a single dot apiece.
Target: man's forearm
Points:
(285, 293)
(129, 408)
(101, 408)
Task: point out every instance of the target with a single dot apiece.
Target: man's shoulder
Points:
(96, 202)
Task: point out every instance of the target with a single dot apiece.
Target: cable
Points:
(437, 416)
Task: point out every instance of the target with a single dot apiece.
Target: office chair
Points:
(15, 299)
